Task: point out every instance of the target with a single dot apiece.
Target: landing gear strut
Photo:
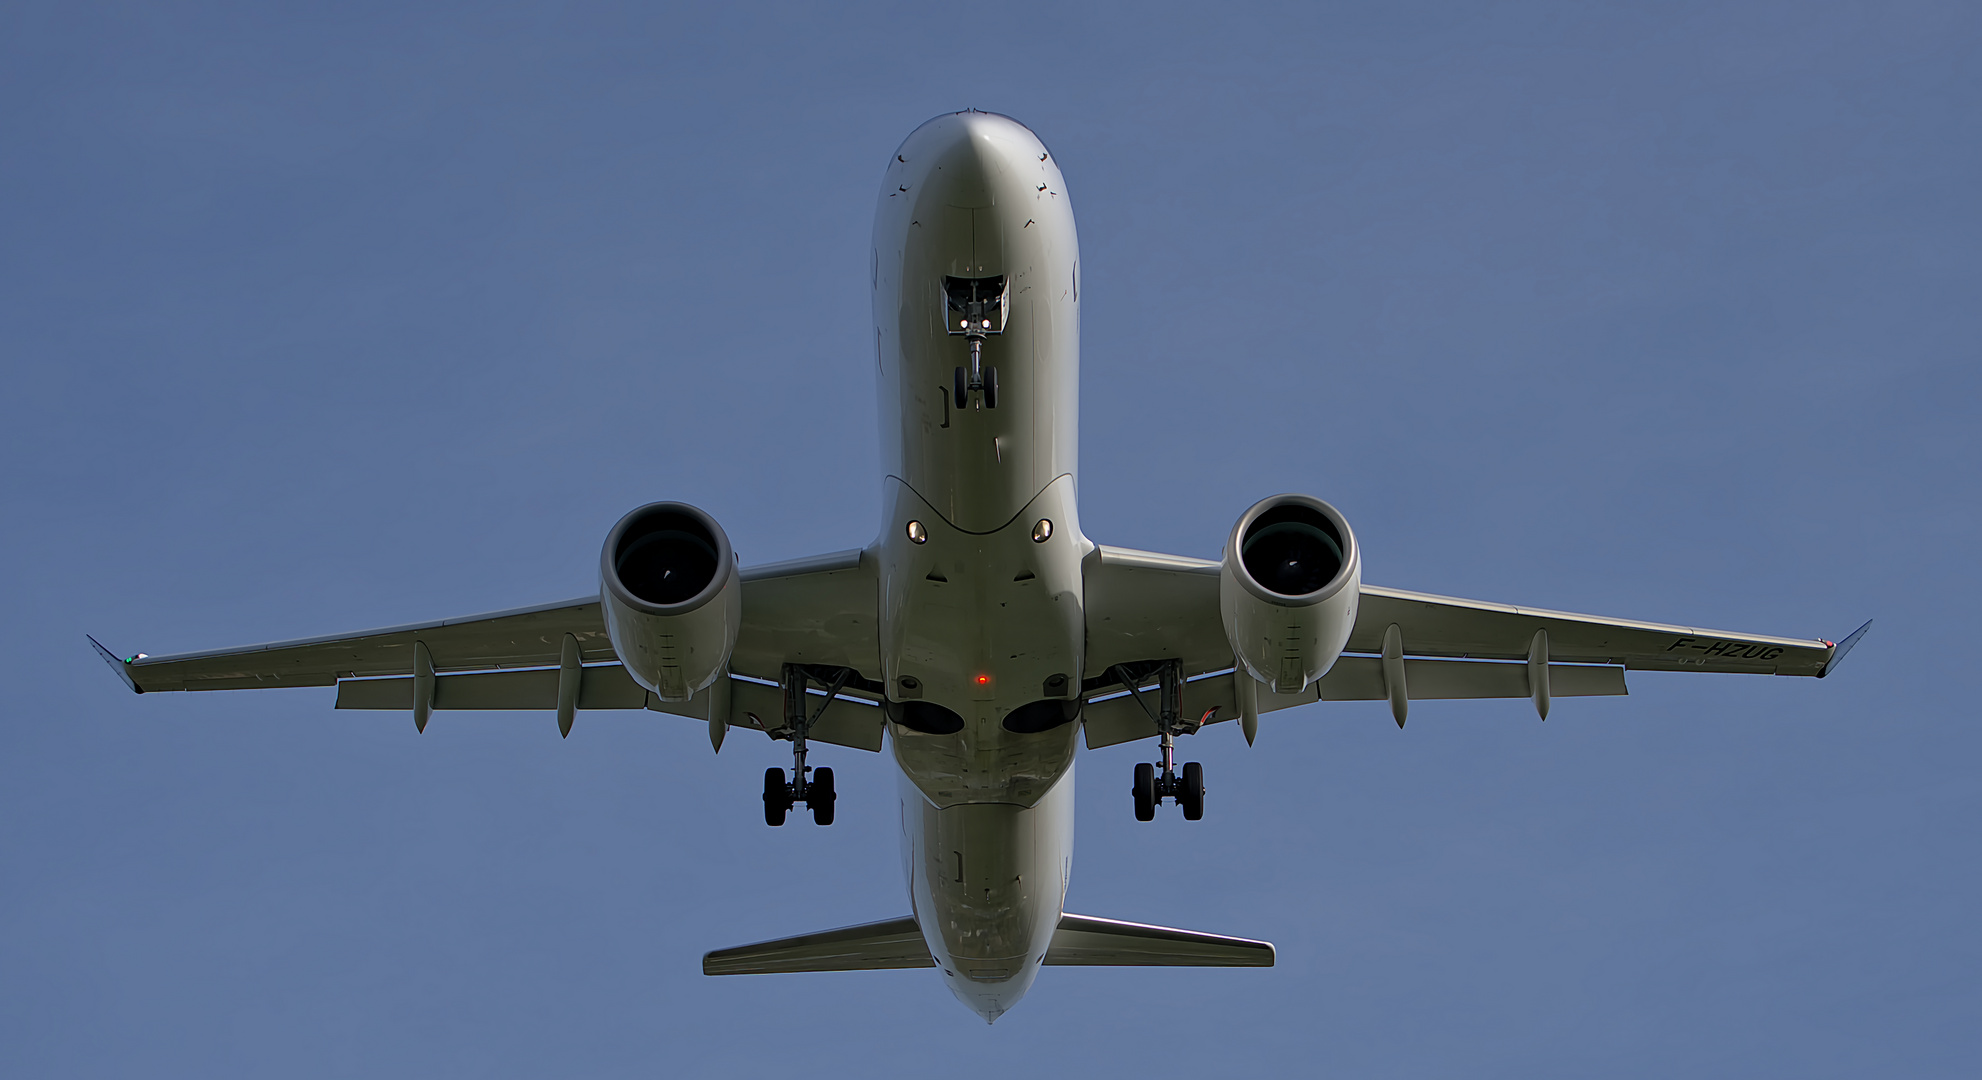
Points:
(1150, 788)
(817, 792)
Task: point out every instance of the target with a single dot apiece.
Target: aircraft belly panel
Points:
(988, 629)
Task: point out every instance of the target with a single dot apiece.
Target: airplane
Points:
(982, 635)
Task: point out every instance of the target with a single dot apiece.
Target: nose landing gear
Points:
(976, 308)
(1150, 788)
(980, 379)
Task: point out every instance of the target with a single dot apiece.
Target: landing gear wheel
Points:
(777, 797)
(990, 388)
(1145, 791)
(819, 796)
(963, 391)
(1191, 797)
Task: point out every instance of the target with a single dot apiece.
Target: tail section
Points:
(1080, 941)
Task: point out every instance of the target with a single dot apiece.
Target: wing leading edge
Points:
(1148, 606)
(1142, 605)
(1433, 625)
(815, 611)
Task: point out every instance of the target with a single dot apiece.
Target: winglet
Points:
(116, 665)
(1843, 647)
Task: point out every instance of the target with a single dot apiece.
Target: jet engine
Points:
(672, 600)
(1288, 590)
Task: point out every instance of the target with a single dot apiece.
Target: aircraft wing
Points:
(1445, 626)
(1147, 606)
(811, 611)
(518, 638)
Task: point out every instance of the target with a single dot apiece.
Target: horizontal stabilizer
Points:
(1085, 941)
(1081, 941)
(893, 943)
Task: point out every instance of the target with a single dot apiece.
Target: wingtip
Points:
(1839, 651)
(121, 667)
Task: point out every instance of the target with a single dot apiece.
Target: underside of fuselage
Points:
(981, 625)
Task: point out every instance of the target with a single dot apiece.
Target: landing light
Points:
(917, 534)
(979, 305)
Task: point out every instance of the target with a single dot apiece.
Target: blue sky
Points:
(322, 318)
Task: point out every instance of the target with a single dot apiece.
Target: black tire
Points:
(1191, 798)
(990, 388)
(819, 795)
(777, 799)
(1145, 791)
(963, 391)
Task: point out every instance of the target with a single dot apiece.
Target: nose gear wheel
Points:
(979, 379)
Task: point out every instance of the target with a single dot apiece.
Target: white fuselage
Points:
(982, 627)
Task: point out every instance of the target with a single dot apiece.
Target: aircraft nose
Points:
(968, 158)
(962, 168)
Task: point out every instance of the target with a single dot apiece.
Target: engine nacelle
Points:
(672, 600)
(1288, 590)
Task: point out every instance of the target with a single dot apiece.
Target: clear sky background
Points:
(318, 318)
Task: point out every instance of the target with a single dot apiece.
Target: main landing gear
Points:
(817, 792)
(1150, 787)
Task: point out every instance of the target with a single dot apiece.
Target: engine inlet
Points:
(1292, 550)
